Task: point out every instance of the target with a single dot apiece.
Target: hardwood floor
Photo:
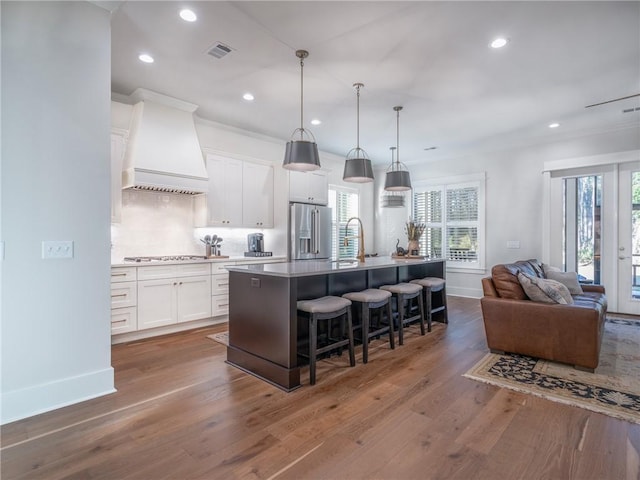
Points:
(181, 413)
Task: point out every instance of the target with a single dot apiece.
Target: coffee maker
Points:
(255, 245)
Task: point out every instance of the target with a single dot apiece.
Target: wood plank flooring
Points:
(182, 413)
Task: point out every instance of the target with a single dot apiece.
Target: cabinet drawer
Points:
(191, 269)
(155, 272)
(219, 305)
(123, 294)
(124, 320)
(220, 267)
(220, 284)
(123, 274)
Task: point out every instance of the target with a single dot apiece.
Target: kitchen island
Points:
(263, 321)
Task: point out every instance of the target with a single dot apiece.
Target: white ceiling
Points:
(432, 58)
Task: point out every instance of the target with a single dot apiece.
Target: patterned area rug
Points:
(222, 337)
(613, 389)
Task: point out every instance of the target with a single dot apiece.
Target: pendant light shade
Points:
(392, 199)
(357, 167)
(397, 179)
(301, 152)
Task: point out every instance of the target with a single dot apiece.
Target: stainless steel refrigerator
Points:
(310, 236)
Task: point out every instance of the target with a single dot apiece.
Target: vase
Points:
(414, 247)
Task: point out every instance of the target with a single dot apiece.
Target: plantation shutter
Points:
(462, 228)
(428, 210)
(453, 219)
(344, 205)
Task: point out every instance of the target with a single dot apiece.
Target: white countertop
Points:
(243, 259)
(304, 268)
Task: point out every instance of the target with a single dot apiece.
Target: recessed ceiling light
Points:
(315, 121)
(554, 125)
(146, 58)
(499, 42)
(248, 97)
(188, 15)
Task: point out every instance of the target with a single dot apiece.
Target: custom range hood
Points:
(163, 153)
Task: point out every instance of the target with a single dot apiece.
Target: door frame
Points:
(626, 303)
(607, 165)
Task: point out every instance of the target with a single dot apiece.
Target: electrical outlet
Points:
(57, 249)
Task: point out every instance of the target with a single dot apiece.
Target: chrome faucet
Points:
(360, 255)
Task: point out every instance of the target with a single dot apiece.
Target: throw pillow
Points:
(546, 268)
(568, 279)
(544, 290)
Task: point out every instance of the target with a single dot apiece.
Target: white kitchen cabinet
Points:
(170, 294)
(118, 143)
(124, 295)
(257, 195)
(220, 288)
(309, 187)
(124, 320)
(193, 298)
(224, 198)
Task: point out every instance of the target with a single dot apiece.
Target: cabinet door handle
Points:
(117, 321)
(224, 304)
(118, 274)
(119, 295)
(180, 283)
(223, 284)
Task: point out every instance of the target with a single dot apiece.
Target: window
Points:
(453, 213)
(344, 204)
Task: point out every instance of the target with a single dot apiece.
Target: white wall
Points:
(55, 164)
(514, 194)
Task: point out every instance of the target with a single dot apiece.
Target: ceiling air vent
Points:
(219, 50)
(629, 110)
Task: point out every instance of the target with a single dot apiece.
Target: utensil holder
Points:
(208, 250)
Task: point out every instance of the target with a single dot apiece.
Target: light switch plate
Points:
(513, 243)
(57, 249)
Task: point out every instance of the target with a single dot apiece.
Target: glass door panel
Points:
(629, 239)
(582, 232)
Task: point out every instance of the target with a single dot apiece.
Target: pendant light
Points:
(392, 199)
(357, 169)
(397, 179)
(301, 153)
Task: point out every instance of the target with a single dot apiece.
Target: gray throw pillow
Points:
(544, 290)
(568, 279)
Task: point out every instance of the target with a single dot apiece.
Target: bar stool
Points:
(432, 285)
(406, 292)
(327, 308)
(368, 300)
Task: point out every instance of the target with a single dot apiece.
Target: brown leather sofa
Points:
(563, 333)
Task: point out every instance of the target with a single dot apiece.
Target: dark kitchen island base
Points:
(263, 321)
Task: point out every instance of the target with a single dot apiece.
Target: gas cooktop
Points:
(167, 258)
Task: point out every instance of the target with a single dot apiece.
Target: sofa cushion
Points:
(568, 279)
(505, 277)
(544, 290)
(591, 298)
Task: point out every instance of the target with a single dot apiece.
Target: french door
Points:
(628, 247)
(593, 225)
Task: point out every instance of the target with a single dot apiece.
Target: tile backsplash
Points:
(156, 224)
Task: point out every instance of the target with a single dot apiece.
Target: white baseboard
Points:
(464, 292)
(30, 401)
(178, 327)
